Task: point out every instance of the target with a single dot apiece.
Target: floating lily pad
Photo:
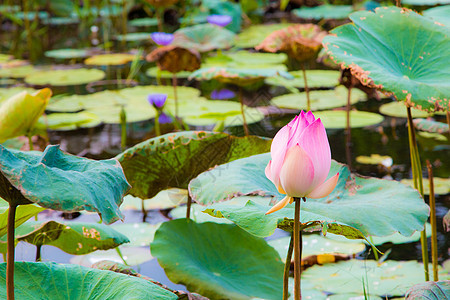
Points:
(136, 111)
(354, 296)
(224, 262)
(413, 65)
(356, 201)
(255, 34)
(325, 11)
(143, 22)
(153, 72)
(67, 53)
(69, 121)
(133, 256)
(134, 37)
(23, 214)
(65, 77)
(58, 21)
(336, 119)
(390, 278)
(185, 155)
(398, 109)
(203, 37)
(319, 99)
(58, 282)
(140, 234)
(375, 159)
(441, 185)
(17, 72)
(440, 14)
(425, 2)
(430, 126)
(197, 214)
(72, 237)
(5, 57)
(245, 61)
(110, 59)
(165, 199)
(246, 57)
(316, 79)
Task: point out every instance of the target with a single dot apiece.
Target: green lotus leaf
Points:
(398, 109)
(316, 79)
(23, 213)
(411, 66)
(390, 278)
(325, 11)
(59, 21)
(69, 121)
(134, 37)
(6, 93)
(441, 185)
(430, 126)
(308, 291)
(153, 72)
(354, 296)
(67, 53)
(113, 59)
(165, 199)
(133, 256)
(254, 58)
(143, 22)
(60, 282)
(203, 37)
(72, 237)
(64, 77)
(172, 160)
(375, 159)
(14, 143)
(337, 119)
(136, 111)
(142, 92)
(357, 202)
(56, 180)
(429, 290)
(140, 234)
(255, 34)
(5, 57)
(440, 14)
(319, 100)
(425, 2)
(224, 262)
(18, 72)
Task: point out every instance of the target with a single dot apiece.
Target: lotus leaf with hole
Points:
(357, 202)
(411, 66)
(203, 37)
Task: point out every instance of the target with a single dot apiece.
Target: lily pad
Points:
(441, 185)
(316, 79)
(65, 77)
(398, 109)
(23, 214)
(336, 119)
(6, 93)
(411, 66)
(59, 21)
(69, 121)
(67, 53)
(203, 37)
(224, 262)
(319, 99)
(440, 14)
(72, 237)
(197, 214)
(144, 22)
(114, 59)
(390, 278)
(246, 57)
(134, 37)
(375, 159)
(57, 281)
(356, 202)
(429, 290)
(325, 11)
(140, 234)
(153, 72)
(165, 199)
(255, 34)
(430, 126)
(18, 72)
(172, 160)
(76, 183)
(133, 256)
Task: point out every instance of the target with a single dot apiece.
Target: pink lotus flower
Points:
(301, 160)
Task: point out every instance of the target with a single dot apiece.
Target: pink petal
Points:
(278, 153)
(268, 171)
(279, 205)
(310, 117)
(297, 129)
(297, 173)
(314, 141)
(325, 188)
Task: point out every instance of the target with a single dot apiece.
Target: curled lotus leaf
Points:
(175, 59)
(300, 41)
(411, 66)
(204, 37)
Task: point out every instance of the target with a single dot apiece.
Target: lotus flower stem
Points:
(188, 207)
(144, 211)
(157, 128)
(38, 253)
(287, 268)
(241, 100)
(298, 244)
(418, 185)
(10, 253)
(434, 249)
(123, 126)
(308, 101)
(348, 129)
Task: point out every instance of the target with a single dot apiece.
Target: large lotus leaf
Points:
(172, 160)
(67, 53)
(203, 37)
(110, 59)
(6, 93)
(429, 290)
(219, 261)
(316, 79)
(23, 213)
(71, 237)
(68, 121)
(17, 72)
(133, 256)
(391, 278)
(398, 109)
(337, 119)
(325, 11)
(61, 181)
(64, 77)
(140, 234)
(371, 205)
(255, 34)
(61, 282)
(440, 14)
(411, 66)
(319, 100)
(430, 126)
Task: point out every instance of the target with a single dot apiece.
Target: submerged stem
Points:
(434, 249)
(10, 253)
(287, 268)
(305, 80)
(297, 250)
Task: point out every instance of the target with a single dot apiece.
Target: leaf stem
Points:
(287, 268)
(188, 207)
(157, 128)
(297, 249)
(38, 253)
(434, 248)
(305, 80)
(10, 253)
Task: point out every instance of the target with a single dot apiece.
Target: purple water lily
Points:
(162, 38)
(219, 20)
(164, 119)
(157, 100)
(222, 94)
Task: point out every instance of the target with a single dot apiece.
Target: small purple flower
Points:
(162, 38)
(157, 100)
(219, 20)
(222, 94)
(164, 119)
